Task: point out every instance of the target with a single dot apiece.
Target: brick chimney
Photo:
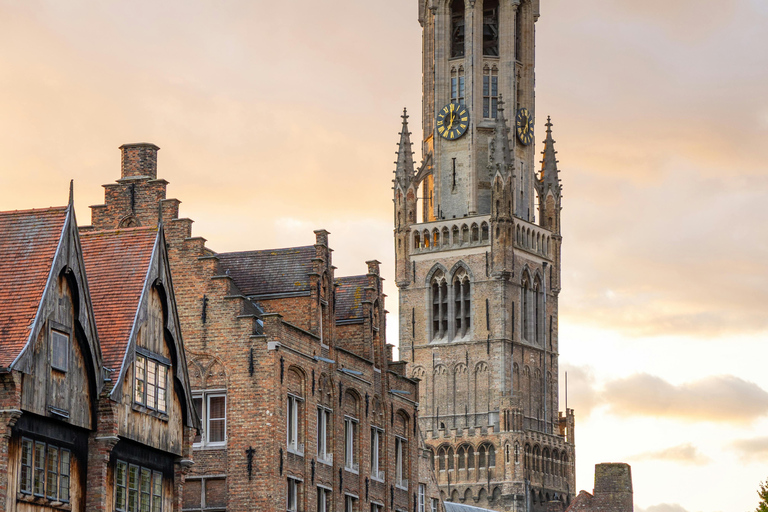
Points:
(139, 160)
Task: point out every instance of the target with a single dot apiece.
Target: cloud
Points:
(751, 450)
(723, 398)
(683, 454)
(662, 507)
(718, 399)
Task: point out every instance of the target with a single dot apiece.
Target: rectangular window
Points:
(490, 93)
(457, 89)
(293, 425)
(150, 387)
(59, 350)
(377, 468)
(323, 499)
(45, 470)
(434, 504)
(25, 480)
(350, 503)
(324, 426)
(400, 466)
(350, 435)
(422, 497)
(205, 494)
(39, 469)
(121, 486)
(376, 507)
(211, 406)
(293, 498)
(216, 418)
(137, 489)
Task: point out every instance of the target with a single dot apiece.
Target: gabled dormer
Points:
(135, 311)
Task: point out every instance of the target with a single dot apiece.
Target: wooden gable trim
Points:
(68, 258)
(159, 272)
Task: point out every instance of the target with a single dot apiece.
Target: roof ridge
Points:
(35, 210)
(152, 229)
(254, 251)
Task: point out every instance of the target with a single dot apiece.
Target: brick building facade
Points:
(302, 406)
(478, 263)
(95, 406)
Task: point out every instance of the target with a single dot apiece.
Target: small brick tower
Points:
(478, 272)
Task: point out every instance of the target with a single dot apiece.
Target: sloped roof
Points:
(28, 242)
(269, 271)
(459, 507)
(350, 292)
(116, 264)
(581, 503)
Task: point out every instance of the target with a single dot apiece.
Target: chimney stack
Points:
(139, 160)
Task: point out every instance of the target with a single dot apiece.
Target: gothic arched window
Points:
(439, 290)
(491, 28)
(457, 85)
(490, 92)
(457, 28)
(461, 303)
(524, 309)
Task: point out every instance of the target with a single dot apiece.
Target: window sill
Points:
(294, 451)
(209, 446)
(403, 486)
(376, 479)
(40, 500)
(351, 470)
(151, 412)
(327, 462)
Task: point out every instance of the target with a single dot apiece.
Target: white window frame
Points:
(324, 421)
(435, 506)
(292, 425)
(422, 497)
(350, 433)
(293, 491)
(323, 497)
(377, 473)
(205, 418)
(377, 507)
(351, 503)
(400, 482)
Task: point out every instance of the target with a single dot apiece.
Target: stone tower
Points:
(478, 263)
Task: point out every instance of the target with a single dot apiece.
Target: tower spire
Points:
(500, 156)
(405, 169)
(550, 175)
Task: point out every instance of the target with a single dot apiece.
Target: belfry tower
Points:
(477, 243)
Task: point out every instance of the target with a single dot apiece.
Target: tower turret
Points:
(501, 168)
(406, 190)
(548, 185)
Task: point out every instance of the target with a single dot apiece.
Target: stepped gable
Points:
(116, 263)
(350, 292)
(29, 242)
(271, 271)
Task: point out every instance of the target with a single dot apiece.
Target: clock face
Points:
(524, 126)
(453, 121)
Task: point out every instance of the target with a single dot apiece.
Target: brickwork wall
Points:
(258, 371)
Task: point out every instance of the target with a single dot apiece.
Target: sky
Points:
(278, 118)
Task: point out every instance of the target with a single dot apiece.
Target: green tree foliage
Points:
(763, 493)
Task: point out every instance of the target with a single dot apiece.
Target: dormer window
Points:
(151, 383)
(59, 350)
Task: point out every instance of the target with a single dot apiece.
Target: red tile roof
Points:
(116, 264)
(350, 293)
(28, 242)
